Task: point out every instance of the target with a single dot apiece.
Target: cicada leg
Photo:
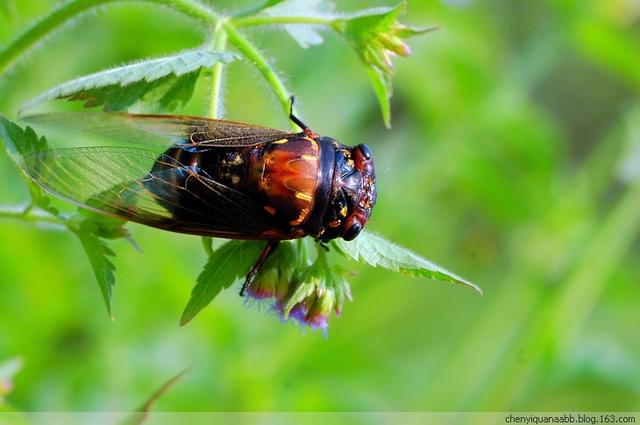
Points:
(266, 252)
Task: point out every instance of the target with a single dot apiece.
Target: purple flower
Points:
(308, 296)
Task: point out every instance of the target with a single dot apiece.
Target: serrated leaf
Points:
(18, 143)
(376, 251)
(161, 84)
(227, 265)
(104, 226)
(305, 34)
(99, 253)
(142, 414)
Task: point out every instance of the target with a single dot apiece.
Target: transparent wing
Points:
(121, 182)
(162, 130)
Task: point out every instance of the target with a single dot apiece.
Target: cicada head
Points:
(353, 193)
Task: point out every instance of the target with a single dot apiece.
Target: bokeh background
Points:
(513, 160)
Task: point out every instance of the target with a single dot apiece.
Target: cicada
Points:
(212, 177)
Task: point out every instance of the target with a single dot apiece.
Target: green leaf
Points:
(18, 143)
(227, 264)
(301, 292)
(99, 253)
(207, 244)
(142, 414)
(104, 226)
(161, 84)
(270, 3)
(381, 84)
(376, 251)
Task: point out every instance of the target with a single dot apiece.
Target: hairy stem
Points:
(247, 21)
(245, 47)
(215, 101)
(31, 215)
(12, 53)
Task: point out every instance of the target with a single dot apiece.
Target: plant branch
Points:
(12, 53)
(245, 47)
(247, 21)
(215, 101)
(31, 215)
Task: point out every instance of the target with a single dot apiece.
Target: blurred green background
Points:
(513, 160)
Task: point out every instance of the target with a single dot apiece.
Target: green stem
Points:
(215, 102)
(63, 14)
(31, 215)
(247, 21)
(250, 52)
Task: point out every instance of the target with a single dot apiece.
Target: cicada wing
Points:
(121, 182)
(162, 130)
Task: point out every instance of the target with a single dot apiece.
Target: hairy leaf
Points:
(18, 143)
(98, 253)
(376, 251)
(227, 264)
(161, 84)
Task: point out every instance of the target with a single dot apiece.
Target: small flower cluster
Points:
(307, 294)
(381, 49)
(378, 37)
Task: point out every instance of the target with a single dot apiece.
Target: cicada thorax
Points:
(286, 175)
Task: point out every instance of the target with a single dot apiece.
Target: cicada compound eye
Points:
(352, 231)
(365, 151)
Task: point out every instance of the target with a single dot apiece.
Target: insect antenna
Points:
(297, 121)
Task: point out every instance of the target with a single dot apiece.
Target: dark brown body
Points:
(291, 179)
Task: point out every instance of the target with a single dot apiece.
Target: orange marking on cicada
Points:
(304, 196)
(303, 215)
